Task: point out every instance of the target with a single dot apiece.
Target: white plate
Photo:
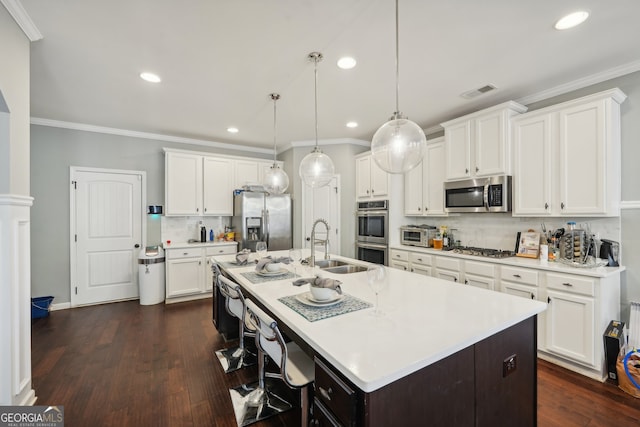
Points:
(308, 299)
(272, 273)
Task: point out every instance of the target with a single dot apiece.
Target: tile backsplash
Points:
(181, 229)
(498, 231)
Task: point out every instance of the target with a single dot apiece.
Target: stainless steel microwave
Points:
(489, 194)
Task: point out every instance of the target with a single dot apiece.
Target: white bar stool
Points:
(257, 401)
(238, 357)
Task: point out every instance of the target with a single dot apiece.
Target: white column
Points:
(15, 300)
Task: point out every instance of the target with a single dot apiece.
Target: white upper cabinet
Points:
(218, 186)
(198, 184)
(183, 184)
(371, 181)
(567, 158)
(423, 185)
(478, 144)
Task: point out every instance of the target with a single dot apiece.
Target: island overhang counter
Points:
(432, 330)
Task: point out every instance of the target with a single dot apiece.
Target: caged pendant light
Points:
(398, 145)
(316, 168)
(276, 180)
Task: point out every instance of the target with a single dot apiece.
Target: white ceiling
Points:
(219, 60)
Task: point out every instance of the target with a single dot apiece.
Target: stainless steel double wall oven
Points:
(372, 234)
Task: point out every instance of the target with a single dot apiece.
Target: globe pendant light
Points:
(398, 145)
(276, 180)
(316, 168)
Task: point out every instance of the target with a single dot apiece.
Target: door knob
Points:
(136, 245)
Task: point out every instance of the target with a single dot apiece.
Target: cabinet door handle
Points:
(199, 262)
(205, 209)
(562, 205)
(412, 270)
(420, 259)
(546, 206)
(477, 169)
(326, 394)
(548, 300)
(517, 276)
(455, 279)
(533, 296)
(367, 191)
(405, 268)
(418, 208)
(567, 284)
(466, 170)
(197, 209)
(466, 282)
(372, 191)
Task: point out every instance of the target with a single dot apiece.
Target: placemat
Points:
(347, 305)
(256, 278)
(230, 264)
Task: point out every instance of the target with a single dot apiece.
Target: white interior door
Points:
(324, 203)
(106, 234)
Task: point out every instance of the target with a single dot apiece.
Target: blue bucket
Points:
(40, 307)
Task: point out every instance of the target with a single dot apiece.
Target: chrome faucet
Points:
(312, 258)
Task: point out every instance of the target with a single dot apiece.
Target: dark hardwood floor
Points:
(123, 364)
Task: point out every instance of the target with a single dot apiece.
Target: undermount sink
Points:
(328, 263)
(345, 269)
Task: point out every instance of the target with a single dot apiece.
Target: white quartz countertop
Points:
(426, 319)
(558, 267)
(182, 245)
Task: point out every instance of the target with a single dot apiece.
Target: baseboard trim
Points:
(60, 306)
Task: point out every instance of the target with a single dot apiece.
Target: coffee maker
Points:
(610, 251)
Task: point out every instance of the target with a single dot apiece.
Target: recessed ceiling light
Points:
(352, 125)
(346, 62)
(571, 20)
(150, 77)
(232, 130)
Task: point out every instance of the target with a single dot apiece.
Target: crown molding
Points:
(146, 135)
(23, 19)
(321, 142)
(609, 74)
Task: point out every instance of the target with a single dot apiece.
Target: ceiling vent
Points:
(477, 92)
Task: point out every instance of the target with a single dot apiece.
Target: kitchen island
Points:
(443, 353)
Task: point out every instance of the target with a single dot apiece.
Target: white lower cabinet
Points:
(448, 268)
(188, 271)
(420, 263)
(480, 274)
(571, 317)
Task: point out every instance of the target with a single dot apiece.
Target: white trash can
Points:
(151, 275)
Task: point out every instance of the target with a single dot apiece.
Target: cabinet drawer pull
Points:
(455, 279)
(419, 259)
(567, 284)
(517, 276)
(326, 394)
(466, 282)
(418, 208)
(185, 253)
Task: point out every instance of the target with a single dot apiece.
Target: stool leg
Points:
(235, 358)
(258, 401)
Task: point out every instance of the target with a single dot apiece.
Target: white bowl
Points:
(322, 294)
(273, 267)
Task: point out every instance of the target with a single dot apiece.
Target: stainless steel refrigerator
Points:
(259, 216)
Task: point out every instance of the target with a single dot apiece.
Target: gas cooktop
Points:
(484, 252)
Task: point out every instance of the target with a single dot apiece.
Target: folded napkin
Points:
(320, 282)
(242, 257)
(263, 262)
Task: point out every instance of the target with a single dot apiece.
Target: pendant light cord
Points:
(274, 97)
(397, 113)
(315, 94)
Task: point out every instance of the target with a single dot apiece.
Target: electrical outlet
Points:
(509, 365)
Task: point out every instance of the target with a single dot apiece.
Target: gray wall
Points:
(14, 87)
(53, 151)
